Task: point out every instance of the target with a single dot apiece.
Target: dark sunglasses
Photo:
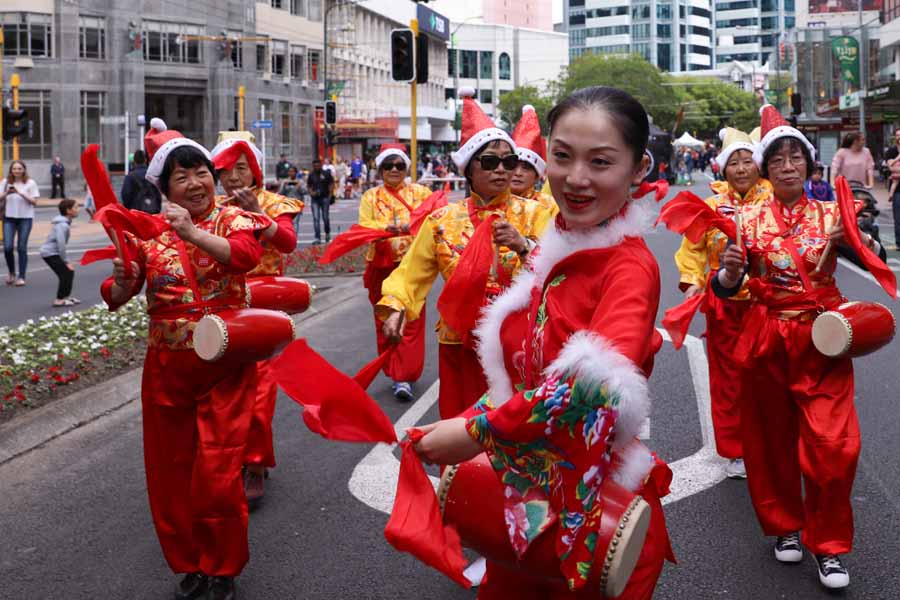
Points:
(489, 162)
(396, 166)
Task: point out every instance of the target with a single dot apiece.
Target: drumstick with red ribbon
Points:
(101, 190)
(826, 252)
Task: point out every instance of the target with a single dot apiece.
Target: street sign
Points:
(261, 124)
(115, 120)
(850, 100)
(432, 23)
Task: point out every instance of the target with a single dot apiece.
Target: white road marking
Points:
(374, 479)
(862, 272)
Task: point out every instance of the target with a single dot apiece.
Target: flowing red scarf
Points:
(688, 215)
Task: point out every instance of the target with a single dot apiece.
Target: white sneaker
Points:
(832, 572)
(788, 548)
(735, 469)
(475, 572)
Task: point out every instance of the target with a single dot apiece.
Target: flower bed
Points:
(305, 260)
(51, 357)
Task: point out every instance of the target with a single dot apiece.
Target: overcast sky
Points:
(557, 10)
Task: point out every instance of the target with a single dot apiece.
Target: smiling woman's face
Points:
(741, 172)
(192, 188)
(590, 167)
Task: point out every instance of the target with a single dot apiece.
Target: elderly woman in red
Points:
(798, 420)
(567, 351)
(196, 415)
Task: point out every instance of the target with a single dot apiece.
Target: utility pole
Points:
(862, 70)
(1, 100)
(242, 92)
(14, 82)
(413, 172)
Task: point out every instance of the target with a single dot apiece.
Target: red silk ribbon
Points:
(677, 319)
(354, 237)
(687, 214)
(429, 205)
(660, 188)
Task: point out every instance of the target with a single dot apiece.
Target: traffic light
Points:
(330, 112)
(421, 59)
(796, 104)
(14, 123)
(403, 55)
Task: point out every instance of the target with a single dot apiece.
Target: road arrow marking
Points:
(374, 479)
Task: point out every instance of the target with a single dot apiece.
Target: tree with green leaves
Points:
(511, 104)
(710, 104)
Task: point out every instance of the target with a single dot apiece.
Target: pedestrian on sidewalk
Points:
(54, 252)
(892, 160)
(320, 183)
(58, 178)
(294, 187)
(19, 193)
(137, 192)
(854, 161)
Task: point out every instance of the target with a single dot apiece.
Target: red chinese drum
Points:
(243, 334)
(853, 329)
(279, 293)
(471, 499)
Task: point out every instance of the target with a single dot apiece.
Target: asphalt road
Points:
(75, 523)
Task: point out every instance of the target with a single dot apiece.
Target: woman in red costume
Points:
(196, 414)
(797, 415)
(567, 351)
(237, 161)
(445, 241)
(695, 261)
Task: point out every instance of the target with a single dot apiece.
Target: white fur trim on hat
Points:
(159, 159)
(532, 158)
(722, 133)
(392, 152)
(727, 151)
(774, 134)
(224, 144)
(526, 108)
(462, 156)
(466, 92)
(158, 124)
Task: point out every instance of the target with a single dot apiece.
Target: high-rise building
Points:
(752, 30)
(675, 35)
(533, 14)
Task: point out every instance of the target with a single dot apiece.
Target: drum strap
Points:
(788, 240)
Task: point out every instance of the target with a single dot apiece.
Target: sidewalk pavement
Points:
(57, 418)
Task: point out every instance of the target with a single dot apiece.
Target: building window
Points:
(504, 67)
(487, 65)
(169, 42)
(261, 58)
(576, 37)
(38, 145)
(279, 57)
(641, 31)
(234, 49)
(304, 129)
(298, 62)
(664, 11)
(664, 31)
(315, 10)
(469, 64)
(664, 57)
(451, 63)
(640, 11)
(27, 34)
(312, 61)
(487, 97)
(298, 7)
(91, 37)
(92, 105)
(276, 3)
(286, 129)
(576, 19)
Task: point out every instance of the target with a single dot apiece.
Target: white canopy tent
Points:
(689, 141)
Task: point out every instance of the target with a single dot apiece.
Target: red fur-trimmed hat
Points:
(159, 142)
(392, 149)
(530, 146)
(228, 151)
(477, 130)
(773, 127)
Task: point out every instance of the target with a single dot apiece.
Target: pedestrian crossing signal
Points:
(403, 55)
(330, 112)
(14, 122)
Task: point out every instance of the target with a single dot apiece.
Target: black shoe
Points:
(832, 572)
(788, 548)
(221, 588)
(192, 586)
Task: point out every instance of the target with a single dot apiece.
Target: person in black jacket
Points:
(319, 184)
(58, 178)
(137, 192)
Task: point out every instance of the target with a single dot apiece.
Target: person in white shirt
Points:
(20, 194)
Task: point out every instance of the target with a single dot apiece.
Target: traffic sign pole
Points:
(413, 173)
(14, 82)
(262, 117)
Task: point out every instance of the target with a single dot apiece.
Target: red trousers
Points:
(196, 417)
(799, 422)
(462, 380)
(502, 583)
(260, 449)
(407, 362)
(723, 325)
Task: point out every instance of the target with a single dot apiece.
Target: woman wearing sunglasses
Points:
(388, 207)
(453, 237)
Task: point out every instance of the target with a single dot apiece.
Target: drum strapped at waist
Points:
(192, 311)
(793, 306)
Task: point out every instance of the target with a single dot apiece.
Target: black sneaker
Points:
(192, 587)
(221, 588)
(832, 572)
(788, 548)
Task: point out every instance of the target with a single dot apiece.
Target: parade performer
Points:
(196, 415)
(695, 261)
(567, 351)
(237, 161)
(797, 413)
(532, 151)
(388, 208)
(476, 245)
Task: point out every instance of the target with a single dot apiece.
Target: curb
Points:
(32, 430)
